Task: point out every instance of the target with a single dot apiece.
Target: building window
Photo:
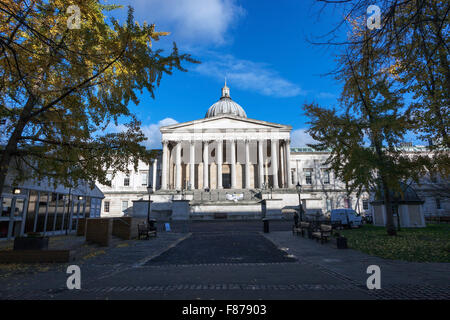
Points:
(308, 175)
(124, 205)
(326, 176)
(126, 181)
(365, 204)
(106, 209)
(144, 178)
(438, 203)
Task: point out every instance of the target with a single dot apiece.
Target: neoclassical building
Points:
(211, 162)
(225, 150)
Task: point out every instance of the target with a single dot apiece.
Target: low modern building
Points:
(37, 206)
(406, 207)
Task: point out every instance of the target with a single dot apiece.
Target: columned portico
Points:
(155, 163)
(287, 152)
(205, 165)
(192, 164)
(245, 152)
(260, 164)
(219, 164)
(233, 164)
(247, 164)
(165, 168)
(274, 162)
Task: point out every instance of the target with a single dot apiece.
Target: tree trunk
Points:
(11, 147)
(390, 226)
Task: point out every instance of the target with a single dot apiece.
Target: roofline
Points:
(173, 126)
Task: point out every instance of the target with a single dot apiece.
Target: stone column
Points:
(233, 164)
(273, 148)
(247, 164)
(219, 163)
(205, 165)
(178, 166)
(282, 164)
(155, 163)
(164, 165)
(260, 164)
(192, 164)
(287, 152)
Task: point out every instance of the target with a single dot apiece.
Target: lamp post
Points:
(150, 191)
(300, 207)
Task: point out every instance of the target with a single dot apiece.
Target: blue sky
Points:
(260, 46)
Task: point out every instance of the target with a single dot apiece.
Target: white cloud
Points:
(151, 132)
(248, 75)
(299, 138)
(326, 95)
(192, 21)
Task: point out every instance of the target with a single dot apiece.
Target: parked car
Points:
(346, 217)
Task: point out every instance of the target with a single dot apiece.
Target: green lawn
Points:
(430, 244)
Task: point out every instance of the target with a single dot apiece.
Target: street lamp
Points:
(300, 207)
(150, 191)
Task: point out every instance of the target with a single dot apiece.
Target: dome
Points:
(225, 106)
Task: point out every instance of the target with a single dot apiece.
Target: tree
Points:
(64, 81)
(413, 40)
(364, 132)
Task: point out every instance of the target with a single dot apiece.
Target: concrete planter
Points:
(31, 243)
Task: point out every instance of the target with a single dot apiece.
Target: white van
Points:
(346, 217)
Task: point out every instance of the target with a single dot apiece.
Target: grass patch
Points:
(430, 244)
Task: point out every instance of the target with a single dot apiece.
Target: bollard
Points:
(266, 225)
(341, 243)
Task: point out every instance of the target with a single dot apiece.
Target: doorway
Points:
(226, 180)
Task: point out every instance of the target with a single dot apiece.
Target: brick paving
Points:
(232, 260)
(399, 279)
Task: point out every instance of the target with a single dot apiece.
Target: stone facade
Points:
(204, 160)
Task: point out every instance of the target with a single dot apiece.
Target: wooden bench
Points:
(146, 231)
(323, 234)
(337, 225)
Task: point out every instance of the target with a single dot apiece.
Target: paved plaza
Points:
(226, 260)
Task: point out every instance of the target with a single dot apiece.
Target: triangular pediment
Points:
(224, 122)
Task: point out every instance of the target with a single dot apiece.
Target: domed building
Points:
(225, 106)
(229, 166)
(225, 150)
